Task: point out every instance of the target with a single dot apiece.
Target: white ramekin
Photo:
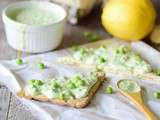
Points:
(31, 38)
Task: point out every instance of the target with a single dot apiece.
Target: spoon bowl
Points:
(128, 86)
(132, 90)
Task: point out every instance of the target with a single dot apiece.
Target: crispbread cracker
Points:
(77, 103)
(148, 77)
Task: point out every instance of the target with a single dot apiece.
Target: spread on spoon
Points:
(129, 86)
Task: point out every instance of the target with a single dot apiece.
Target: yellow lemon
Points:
(129, 19)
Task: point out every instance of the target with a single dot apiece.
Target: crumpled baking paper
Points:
(102, 107)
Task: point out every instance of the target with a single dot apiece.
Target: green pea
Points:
(102, 60)
(109, 90)
(39, 82)
(91, 36)
(71, 85)
(157, 94)
(77, 77)
(137, 57)
(87, 34)
(19, 61)
(41, 66)
(36, 82)
(122, 50)
(82, 51)
(95, 38)
(55, 85)
(80, 83)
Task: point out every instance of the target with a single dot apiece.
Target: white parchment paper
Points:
(102, 107)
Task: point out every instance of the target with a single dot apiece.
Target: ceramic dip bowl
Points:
(33, 26)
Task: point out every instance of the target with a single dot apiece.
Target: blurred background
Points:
(83, 15)
(89, 20)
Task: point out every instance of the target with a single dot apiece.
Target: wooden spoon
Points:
(136, 98)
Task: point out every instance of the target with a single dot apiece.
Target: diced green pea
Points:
(80, 83)
(32, 81)
(95, 38)
(71, 85)
(137, 57)
(157, 94)
(91, 36)
(36, 82)
(109, 90)
(55, 85)
(102, 60)
(19, 61)
(41, 66)
(82, 51)
(77, 77)
(122, 50)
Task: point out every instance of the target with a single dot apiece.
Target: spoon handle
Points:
(149, 114)
(137, 99)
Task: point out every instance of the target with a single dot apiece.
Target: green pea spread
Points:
(74, 87)
(33, 16)
(117, 57)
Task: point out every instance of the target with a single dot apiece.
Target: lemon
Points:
(155, 36)
(129, 19)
